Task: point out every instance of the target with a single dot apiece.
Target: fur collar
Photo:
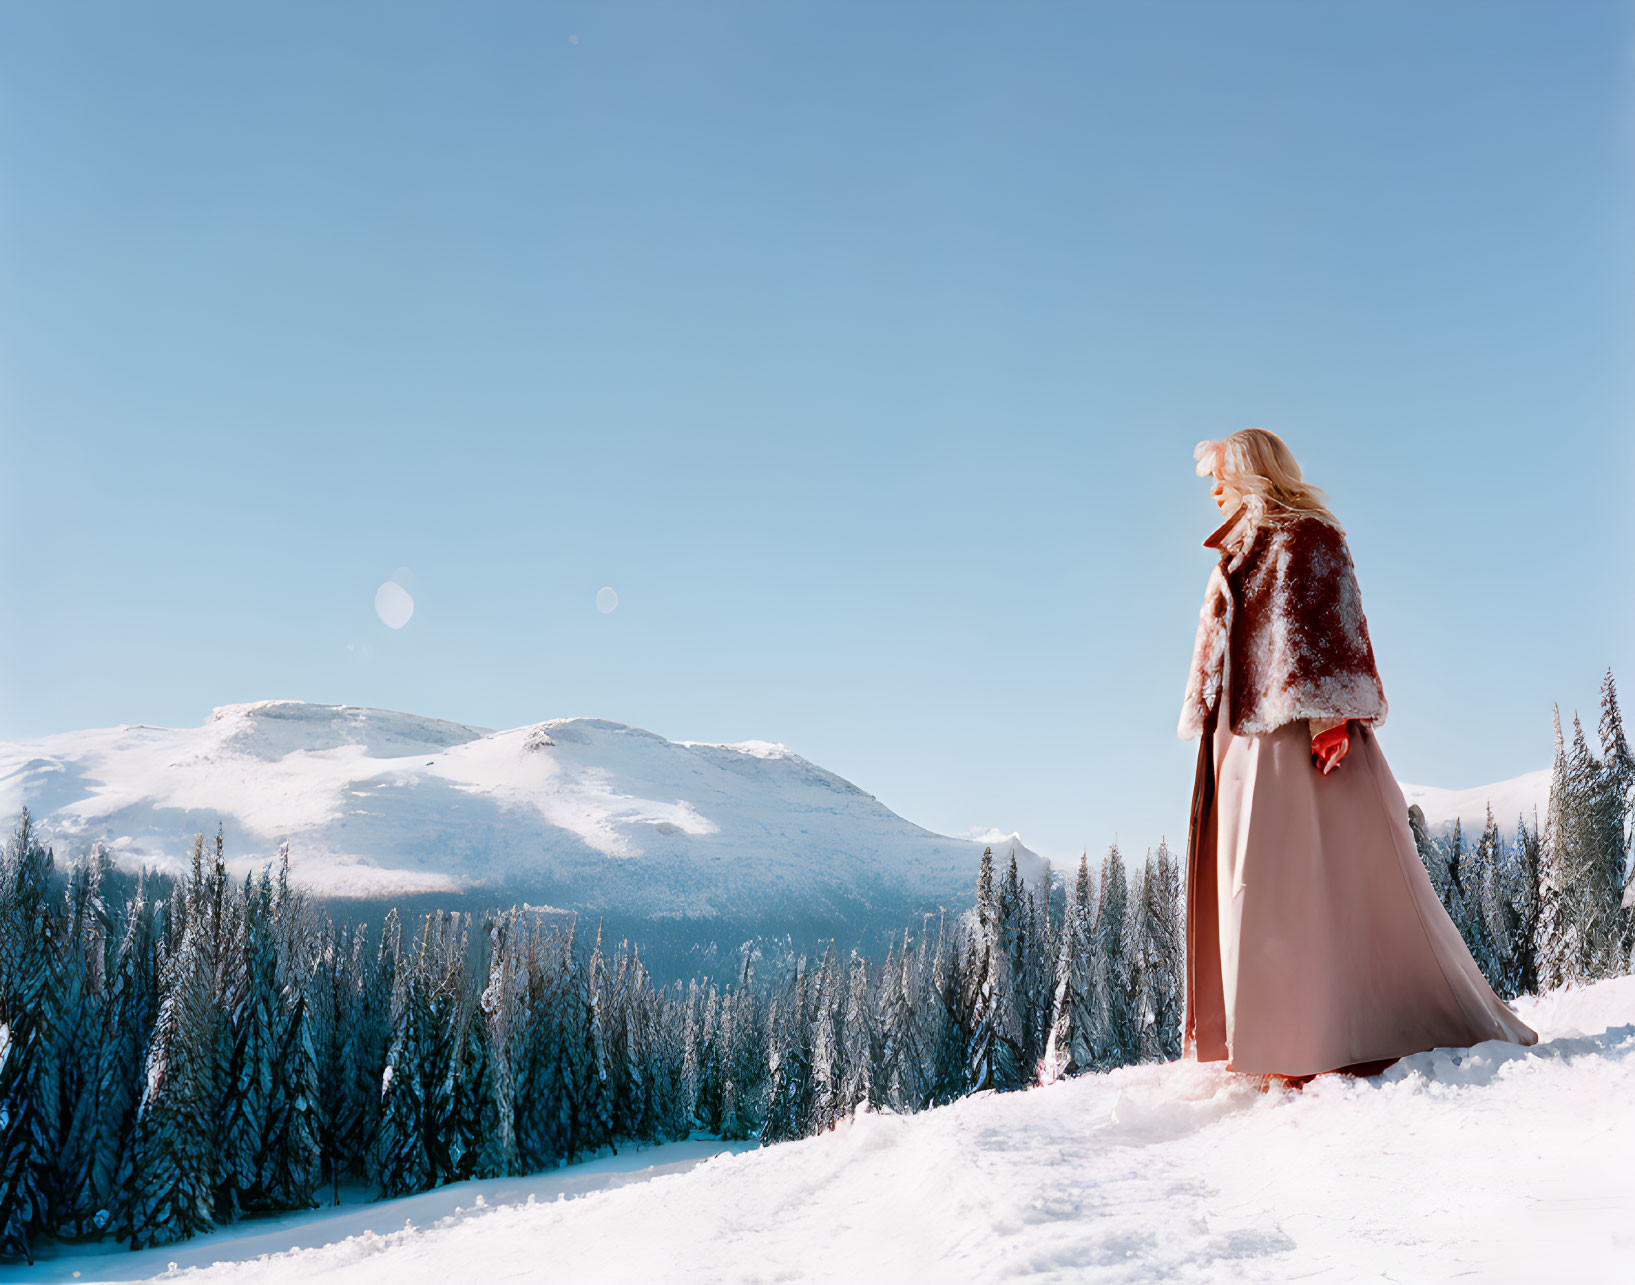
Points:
(1282, 630)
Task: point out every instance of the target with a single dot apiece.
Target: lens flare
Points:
(393, 605)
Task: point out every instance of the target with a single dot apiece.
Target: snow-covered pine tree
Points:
(1071, 1048)
(245, 1103)
(292, 1149)
(497, 1008)
(903, 1084)
(477, 1148)
(858, 1044)
(1557, 929)
(1617, 824)
(74, 1196)
(646, 1054)
(825, 1106)
(1039, 983)
(1596, 860)
(943, 1026)
(1503, 894)
(532, 1065)
(989, 1004)
(402, 1165)
(548, 1078)
(31, 995)
(28, 1079)
(1480, 878)
(664, 1014)
(1165, 949)
(1135, 941)
(788, 1104)
(174, 1135)
(115, 1042)
(19, 1183)
(594, 1123)
(1015, 923)
(127, 1026)
(1120, 1037)
(1522, 870)
(1464, 889)
(746, 1058)
(1429, 857)
(691, 1048)
(444, 955)
(340, 1070)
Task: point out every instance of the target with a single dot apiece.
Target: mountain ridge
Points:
(581, 812)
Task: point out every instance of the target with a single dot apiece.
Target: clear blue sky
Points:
(861, 349)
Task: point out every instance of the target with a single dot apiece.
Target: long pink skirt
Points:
(1315, 940)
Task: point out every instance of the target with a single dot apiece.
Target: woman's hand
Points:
(1329, 747)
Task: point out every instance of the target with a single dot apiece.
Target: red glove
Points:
(1328, 748)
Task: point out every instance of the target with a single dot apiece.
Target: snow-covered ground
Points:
(1496, 1163)
(598, 814)
(357, 1216)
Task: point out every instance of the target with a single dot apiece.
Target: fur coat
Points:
(1283, 620)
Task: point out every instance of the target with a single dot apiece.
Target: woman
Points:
(1315, 941)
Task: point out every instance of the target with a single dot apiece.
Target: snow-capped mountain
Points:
(1519, 796)
(578, 813)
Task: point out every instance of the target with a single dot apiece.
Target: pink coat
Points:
(1315, 940)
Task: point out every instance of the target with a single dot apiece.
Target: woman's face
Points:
(1226, 496)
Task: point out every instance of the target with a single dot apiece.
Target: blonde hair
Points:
(1259, 465)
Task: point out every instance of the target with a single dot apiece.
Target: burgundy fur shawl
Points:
(1282, 611)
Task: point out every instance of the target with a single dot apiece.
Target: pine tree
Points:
(1165, 953)
(1014, 930)
(785, 1108)
(1464, 891)
(478, 1147)
(1119, 1044)
(20, 1200)
(402, 1165)
(30, 999)
(1522, 865)
(69, 1189)
(246, 1101)
(825, 1102)
(292, 1149)
(595, 1121)
(1557, 929)
(1596, 861)
(1616, 831)
(903, 1083)
(1137, 932)
(173, 1131)
(858, 1047)
(691, 1047)
(127, 1026)
(745, 1060)
(1071, 1049)
(1479, 877)
(1038, 984)
(943, 1032)
(991, 1044)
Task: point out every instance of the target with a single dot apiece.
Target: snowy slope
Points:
(1519, 796)
(1496, 1163)
(576, 812)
